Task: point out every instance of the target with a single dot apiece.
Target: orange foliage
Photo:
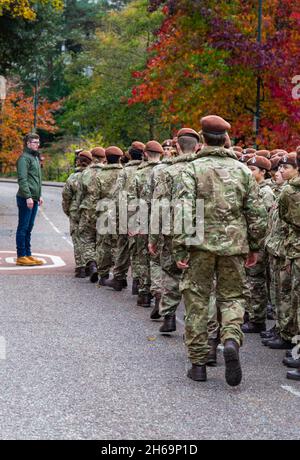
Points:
(16, 120)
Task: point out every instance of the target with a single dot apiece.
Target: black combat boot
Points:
(139, 300)
(77, 269)
(155, 312)
(291, 362)
(253, 328)
(169, 324)
(278, 343)
(233, 371)
(80, 272)
(293, 375)
(92, 271)
(198, 373)
(124, 283)
(135, 286)
(246, 317)
(102, 280)
(288, 354)
(146, 300)
(268, 334)
(212, 354)
(114, 283)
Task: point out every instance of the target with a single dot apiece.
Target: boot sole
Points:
(199, 379)
(292, 377)
(94, 278)
(233, 371)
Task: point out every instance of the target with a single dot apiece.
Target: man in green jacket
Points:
(28, 198)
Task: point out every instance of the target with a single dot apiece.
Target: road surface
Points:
(79, 362)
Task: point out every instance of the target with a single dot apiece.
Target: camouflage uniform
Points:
(126, 246)
(106, 243)
(142, 190)
(234, 219)
(87, 202)
(280, 272)
(258, 276)
(289, 212)
(170, 275)
(70, 208)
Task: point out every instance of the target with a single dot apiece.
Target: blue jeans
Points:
(25, 226)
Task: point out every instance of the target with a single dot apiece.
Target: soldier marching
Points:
(197, 220)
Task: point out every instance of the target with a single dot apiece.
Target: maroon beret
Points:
(98, 152)
(289, 159)
(113, 150)
(264, 153)
(250, 150)
(245, 158)
(153, 146)
(167, 143)
(213, 124)
(189, 132)
(85, 154)
(260, 162)
(137, 145)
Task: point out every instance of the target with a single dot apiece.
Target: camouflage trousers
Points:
(293, 321)
(257, 281)
(148, 268)
(170, 280)
(196, 287)
(87, 236)
(79, 262)
(281, 295)
(122, 260)
(105, 253)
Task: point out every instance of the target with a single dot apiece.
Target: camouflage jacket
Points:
(267, 194)
(141, 190)
(127, 176)
(235, 219)
(278, 230)
(88, 187)
(69, 193)
(106, 183)
(289, 212)
(163, 190)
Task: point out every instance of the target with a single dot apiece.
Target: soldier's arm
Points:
(289, 207)
(256, 216)
(184, 198)
(67, 195)
(161, 196)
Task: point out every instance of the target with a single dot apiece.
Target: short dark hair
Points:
(135, 154)
(217, 140)
(30, 137)
(113, 159)
(187, 143)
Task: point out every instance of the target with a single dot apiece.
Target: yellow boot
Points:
(37, 261)
(25, 261)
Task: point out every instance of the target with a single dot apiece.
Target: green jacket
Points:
(29, 175)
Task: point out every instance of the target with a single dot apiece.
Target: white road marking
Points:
(56, 262)
(291, 390)
(55, 228)
(180, 322)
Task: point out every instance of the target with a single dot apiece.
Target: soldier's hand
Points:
(251, 260)
(152, 249)
(182, 264)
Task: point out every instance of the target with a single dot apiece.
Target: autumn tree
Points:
(17, 120)
(206, 59)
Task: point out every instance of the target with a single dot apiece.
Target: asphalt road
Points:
(79, 362)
